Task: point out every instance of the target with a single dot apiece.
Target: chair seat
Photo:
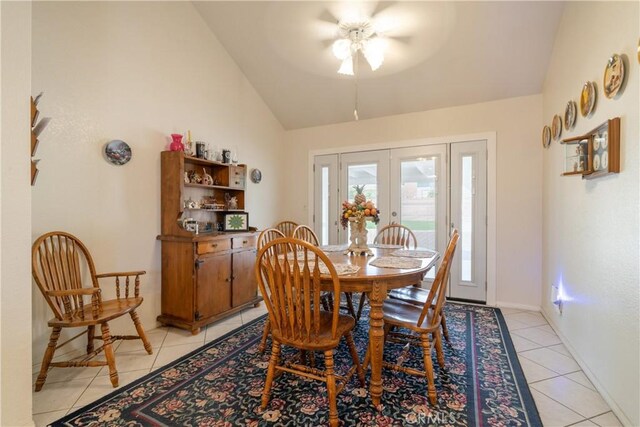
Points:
(325, 340)
(405, 314)
(110, 310)
(411, 294)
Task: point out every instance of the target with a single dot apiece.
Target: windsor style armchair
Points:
(59, 262)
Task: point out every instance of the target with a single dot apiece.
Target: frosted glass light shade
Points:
(342, 49)
(346, 67)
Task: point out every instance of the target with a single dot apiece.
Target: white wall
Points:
(590, 228)
(15, 214)
(516, 122)
(136, 72)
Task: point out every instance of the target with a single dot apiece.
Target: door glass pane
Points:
(324, 238)
(418, 200)
(366, 175)
(466, 232)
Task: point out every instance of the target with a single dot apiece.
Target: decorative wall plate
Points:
(613, 76)
(596, 144)
(117, 152)
(588, 99)
(605, 139)
(546, 136)
(604, 161)
(596, 162)
(256, 176)
(556, 127)
(570, 113)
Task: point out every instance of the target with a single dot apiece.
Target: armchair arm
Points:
(126, 274)
(75, 295)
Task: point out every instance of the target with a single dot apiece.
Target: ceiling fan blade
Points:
(404, 40)
(383, 5)
(327, 16)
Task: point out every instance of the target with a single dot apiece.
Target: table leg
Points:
(376, 339)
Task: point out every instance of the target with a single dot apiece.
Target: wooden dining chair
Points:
(58, 263)
(423, 324)
(265, 237)
(304, 232)
(396, 234)
(419, 296)
(288, 274)
(286, 227)
(392, 234)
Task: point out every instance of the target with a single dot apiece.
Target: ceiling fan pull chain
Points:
(355, 110)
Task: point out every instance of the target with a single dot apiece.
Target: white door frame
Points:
(491, 139)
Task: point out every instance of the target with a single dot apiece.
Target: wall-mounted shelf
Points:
(594, 154)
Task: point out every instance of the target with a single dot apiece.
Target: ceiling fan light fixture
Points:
(354, 37)
(347, 66)
(342, 49)
(373, 50)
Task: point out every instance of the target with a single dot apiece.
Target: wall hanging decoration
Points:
(596, 153)
(117, 152)
(36, 130)
(570, 113)
(588, 99)
(614, 75)
(556, 127)
(256, 176)
(546, 136)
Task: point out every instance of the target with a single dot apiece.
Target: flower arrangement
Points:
(360, 208)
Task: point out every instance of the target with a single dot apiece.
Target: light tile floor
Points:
(563, 394)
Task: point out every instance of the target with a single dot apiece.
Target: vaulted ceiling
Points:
(439, 54)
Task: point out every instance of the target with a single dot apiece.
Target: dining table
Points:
(375, 282)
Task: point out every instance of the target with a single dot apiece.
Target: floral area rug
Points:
(221, 383)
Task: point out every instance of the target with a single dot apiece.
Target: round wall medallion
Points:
(556, 127)
(570, 113)
(546, 136)
(256, 176)
(587, 99)
(117, 152)
(613, 76)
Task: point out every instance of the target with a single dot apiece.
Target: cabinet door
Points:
(245, 286)
(213, 277)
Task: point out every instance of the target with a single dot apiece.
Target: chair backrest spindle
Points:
(304, 232)
(286, 227)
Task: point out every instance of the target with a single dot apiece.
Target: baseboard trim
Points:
(594, 380)
(518, 306)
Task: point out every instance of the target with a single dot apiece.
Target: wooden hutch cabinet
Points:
(208, 275)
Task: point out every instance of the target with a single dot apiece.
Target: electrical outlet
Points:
(556, 298)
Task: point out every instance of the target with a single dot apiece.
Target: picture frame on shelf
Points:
(235, 221)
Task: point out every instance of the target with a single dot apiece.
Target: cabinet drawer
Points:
(214, 246)
(237, 177)
(244, 242)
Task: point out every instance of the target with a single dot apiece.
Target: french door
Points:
(430, 189)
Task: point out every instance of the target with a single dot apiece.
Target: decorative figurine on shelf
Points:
(194, 177)
(186, 178)
(176, 144)
(188, 145)
(356, 215)
(230, 202)
(206, 178)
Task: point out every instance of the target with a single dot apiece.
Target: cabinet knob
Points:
(244, 242)
(214, 245)
(228, 279)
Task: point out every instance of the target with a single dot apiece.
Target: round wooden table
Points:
(376, 281)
